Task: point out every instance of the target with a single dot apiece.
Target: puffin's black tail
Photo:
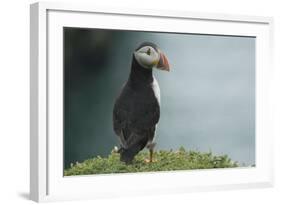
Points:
(127, 155)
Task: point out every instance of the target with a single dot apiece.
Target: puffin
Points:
(136, 110)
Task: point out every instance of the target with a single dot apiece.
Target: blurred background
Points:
(207, 100)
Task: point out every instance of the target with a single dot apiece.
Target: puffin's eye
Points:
(148, 52)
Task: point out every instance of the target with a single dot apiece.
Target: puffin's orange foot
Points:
(150, 161)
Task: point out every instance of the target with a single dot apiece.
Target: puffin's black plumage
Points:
(137, 110)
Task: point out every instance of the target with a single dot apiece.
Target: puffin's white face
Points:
(147, 57)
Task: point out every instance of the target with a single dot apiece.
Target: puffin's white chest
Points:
(156, 89)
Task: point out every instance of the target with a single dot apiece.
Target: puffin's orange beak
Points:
(163, 63)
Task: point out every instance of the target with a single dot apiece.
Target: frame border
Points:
(39, 188)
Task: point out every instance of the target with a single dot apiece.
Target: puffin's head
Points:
(149, 56)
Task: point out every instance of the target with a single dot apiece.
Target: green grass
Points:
(165, 161)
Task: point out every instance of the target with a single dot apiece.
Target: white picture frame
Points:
(46, 173)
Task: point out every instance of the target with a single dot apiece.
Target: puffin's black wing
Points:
(135, 116)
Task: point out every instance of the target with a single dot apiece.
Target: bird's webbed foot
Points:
(150, 146)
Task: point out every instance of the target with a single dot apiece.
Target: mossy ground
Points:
(165, 161)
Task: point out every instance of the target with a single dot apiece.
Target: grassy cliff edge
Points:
(164, 161)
